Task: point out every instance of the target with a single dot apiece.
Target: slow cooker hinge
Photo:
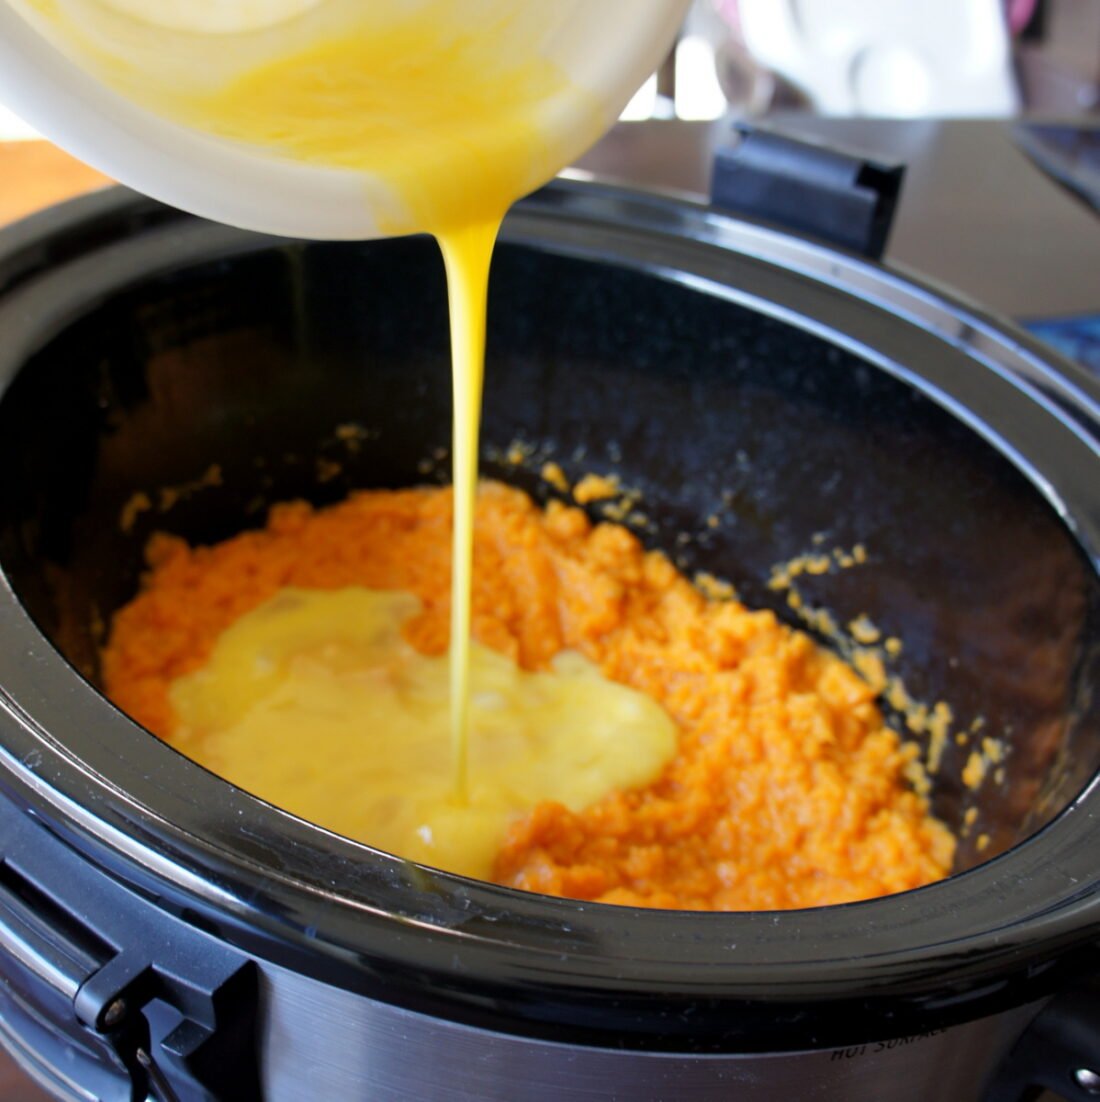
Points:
(154, 1007)
(192, 1060)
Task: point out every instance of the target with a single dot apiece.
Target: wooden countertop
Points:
(35, 174)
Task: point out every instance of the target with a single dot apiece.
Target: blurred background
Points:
(889, 58)
(892, 58)
(993, 106)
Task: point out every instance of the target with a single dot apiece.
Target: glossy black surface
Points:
(166, 345)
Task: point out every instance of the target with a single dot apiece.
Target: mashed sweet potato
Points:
(787, 788)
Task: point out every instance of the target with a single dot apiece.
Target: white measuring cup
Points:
(78, 71)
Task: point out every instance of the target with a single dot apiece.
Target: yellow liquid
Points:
(316, 703)
(467, 253)
(447, 123)
(398, 102)
(447, 117)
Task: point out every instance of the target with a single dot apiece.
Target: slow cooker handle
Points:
(95, 960)
(1059, 1051)
(820, 191)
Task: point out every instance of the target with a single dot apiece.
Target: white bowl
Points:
(608, 47)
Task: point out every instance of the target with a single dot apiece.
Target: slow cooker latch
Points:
(836, 196)
(156, 1008)
(177, 1026)
(1060, 1052)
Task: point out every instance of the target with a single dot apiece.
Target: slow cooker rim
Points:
(55, 777)
(562, 951)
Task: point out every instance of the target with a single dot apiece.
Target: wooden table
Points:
(34, 174)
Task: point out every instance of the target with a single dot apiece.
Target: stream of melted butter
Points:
(315, 702)
(449, 113)
(372, 101)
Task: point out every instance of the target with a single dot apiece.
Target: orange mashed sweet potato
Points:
(787, 788)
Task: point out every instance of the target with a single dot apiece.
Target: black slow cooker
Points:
(165, 935)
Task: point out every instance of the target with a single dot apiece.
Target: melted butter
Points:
(458, 121)
(315, 702)
(372, 101)
(448, 112)
(467, 253)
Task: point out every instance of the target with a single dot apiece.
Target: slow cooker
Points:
(165, 935)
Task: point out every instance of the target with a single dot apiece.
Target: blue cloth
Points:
(1078, 338)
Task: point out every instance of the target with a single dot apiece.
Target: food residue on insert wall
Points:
(518, 453)
(714, 589)
(993, 750)
(327, 469)
(351, 436)
(596, 487)
(939, 724)
(858, 646)
(133, 507)
(863, 631)
(167, 496)
(553, 475)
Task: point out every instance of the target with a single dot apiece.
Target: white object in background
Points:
(13, 128)
(900, 58)
(605, 47)
(643, 104)
(699, 94)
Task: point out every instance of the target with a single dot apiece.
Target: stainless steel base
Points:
(320, 1042)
